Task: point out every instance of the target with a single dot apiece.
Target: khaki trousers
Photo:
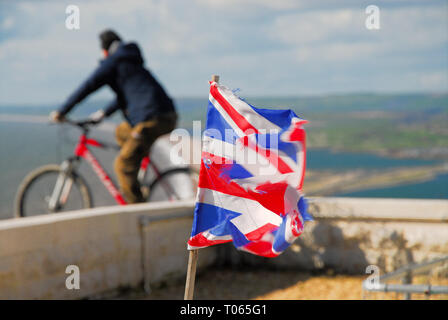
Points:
(135, 143)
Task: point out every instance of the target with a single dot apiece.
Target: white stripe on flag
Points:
(253, 215)
(210, 236)
(283, 156)
(248, 158)
(260, 168)
(255, 119)
(226, 117)
(292, 179)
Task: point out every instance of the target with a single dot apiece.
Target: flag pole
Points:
(191, 274)
(193, 255)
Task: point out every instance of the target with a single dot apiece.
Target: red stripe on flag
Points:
(304, 164)
(269, 195)
(200, 241)
(210, 178)
(258, 233)
(261, 248)
(239, 120)
(270, 155)
(216, 159)
(299, 134)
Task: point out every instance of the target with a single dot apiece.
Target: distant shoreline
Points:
(327, 183)
(431, 153)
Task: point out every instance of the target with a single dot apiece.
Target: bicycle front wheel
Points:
(37, 191)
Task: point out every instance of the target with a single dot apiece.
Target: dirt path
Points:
(274, 285)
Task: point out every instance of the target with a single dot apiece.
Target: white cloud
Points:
(238, 5)
(340, 35)
(431, 80)
(7, 24)
(316, 26)
(266, 47)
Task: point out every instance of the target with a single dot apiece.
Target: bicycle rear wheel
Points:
(35, 192)
(173, 184)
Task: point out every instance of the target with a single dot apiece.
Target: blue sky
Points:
(263, 47)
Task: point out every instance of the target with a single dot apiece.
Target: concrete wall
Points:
(115, 247)
(349, 234)
(109, 245)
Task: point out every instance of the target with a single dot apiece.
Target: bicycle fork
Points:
(62, 187)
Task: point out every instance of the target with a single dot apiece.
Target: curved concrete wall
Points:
(124, 246)
(349, 234)
(110, 245)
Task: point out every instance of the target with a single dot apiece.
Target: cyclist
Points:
(148, 110)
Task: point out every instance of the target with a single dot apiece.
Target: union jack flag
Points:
(251, 177)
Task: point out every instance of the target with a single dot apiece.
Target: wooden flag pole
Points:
(191, 274)
(193, 255)
(215, 78)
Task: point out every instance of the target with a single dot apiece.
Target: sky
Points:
(262, 47)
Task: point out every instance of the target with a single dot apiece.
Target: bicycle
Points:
(61, 188)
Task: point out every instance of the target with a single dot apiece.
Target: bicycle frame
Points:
(63, 185)
(82, 151)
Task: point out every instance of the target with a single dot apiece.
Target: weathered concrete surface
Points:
(106, 245)
(349, 234)
(112, 249)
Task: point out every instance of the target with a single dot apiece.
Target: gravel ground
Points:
(275, 285)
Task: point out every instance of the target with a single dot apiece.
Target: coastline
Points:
(431, 153)
(328, 182)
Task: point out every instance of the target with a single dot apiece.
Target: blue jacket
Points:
(139, 95)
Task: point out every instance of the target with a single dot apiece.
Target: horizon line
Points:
(282, 96)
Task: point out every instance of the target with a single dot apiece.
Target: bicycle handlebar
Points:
(83, 124)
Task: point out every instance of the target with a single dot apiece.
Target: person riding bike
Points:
(148, 110)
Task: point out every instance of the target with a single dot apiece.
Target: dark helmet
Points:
(107, 37)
